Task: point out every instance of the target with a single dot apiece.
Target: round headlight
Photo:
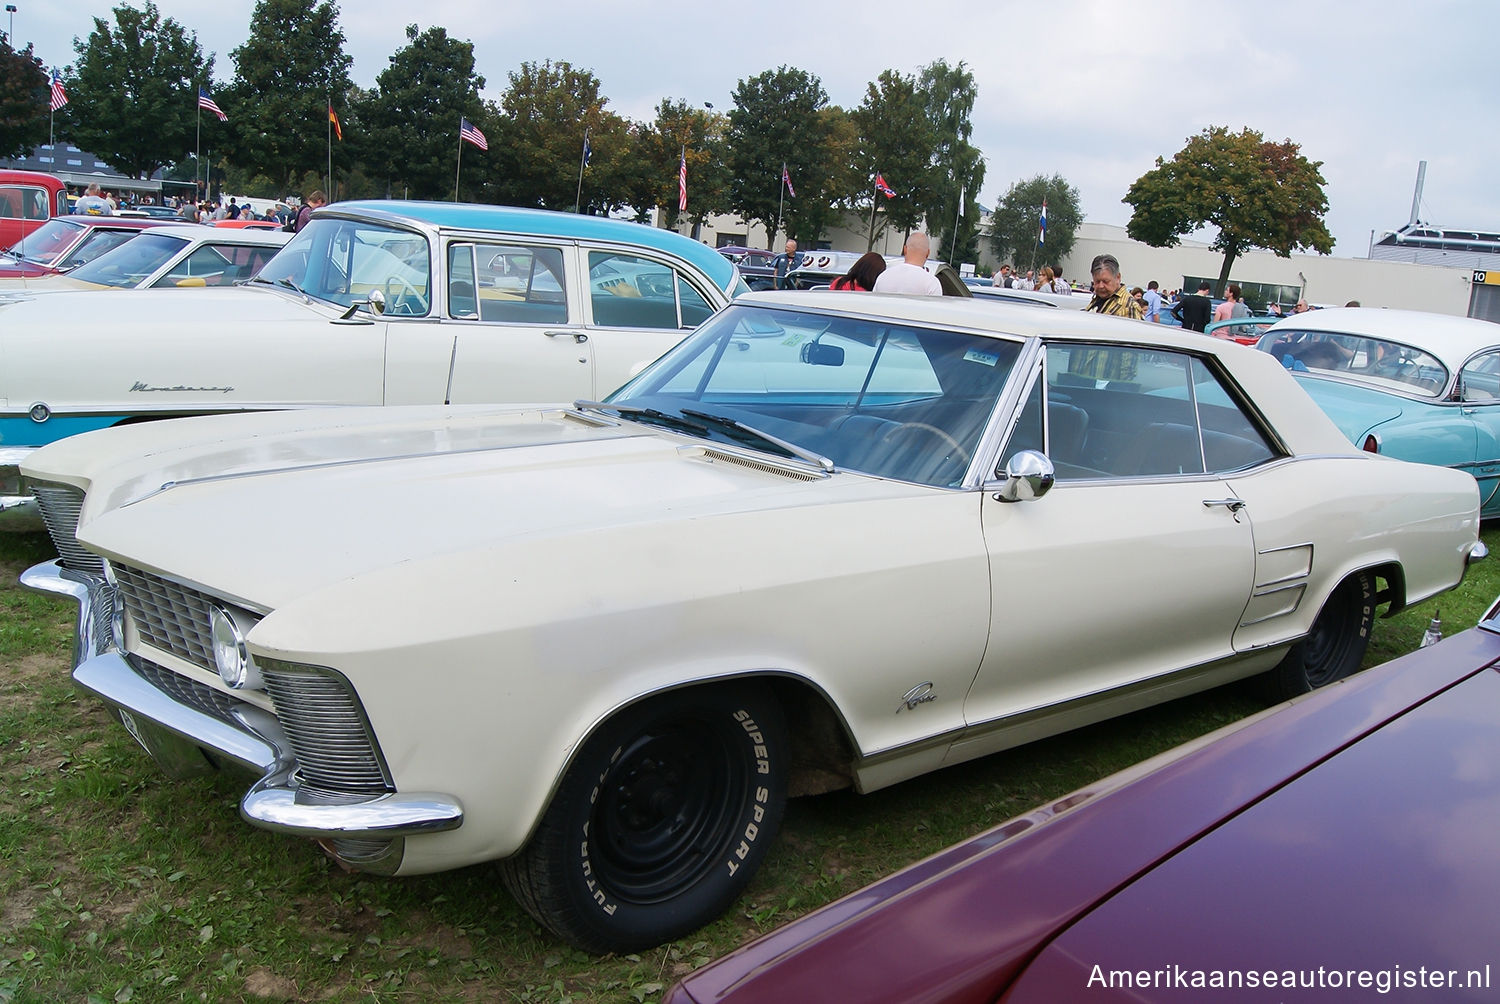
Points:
(231, 657)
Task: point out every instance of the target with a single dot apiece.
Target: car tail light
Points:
(1371, 444)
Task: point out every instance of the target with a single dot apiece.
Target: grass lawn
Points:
(118, 884)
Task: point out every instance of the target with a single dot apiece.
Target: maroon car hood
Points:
(26, 270)
(968, 923)
(1385, 856)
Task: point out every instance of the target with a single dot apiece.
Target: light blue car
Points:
(1411, 385)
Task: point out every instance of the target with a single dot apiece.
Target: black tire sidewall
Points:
(751, 716)
(1292, 676)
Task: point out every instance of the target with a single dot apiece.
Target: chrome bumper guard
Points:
(178, 735)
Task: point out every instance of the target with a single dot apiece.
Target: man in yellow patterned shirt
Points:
(1110, 295)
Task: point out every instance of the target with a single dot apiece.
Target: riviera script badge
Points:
(141, 387)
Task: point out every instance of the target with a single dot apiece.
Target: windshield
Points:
(46, 244)
(1377, 361)
(128, 264)
(895, 400)
(342, 261)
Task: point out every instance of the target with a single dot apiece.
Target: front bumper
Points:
(178, 734)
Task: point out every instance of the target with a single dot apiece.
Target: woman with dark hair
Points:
(862, 274)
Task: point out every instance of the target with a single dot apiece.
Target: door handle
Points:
(578, 336)
(1233, 505)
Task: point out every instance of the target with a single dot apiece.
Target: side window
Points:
(1120, 412)
(204, 267)
(627, 291)
(511, 283)
(21, 203)
(1479, 380)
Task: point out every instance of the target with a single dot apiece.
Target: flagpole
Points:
(874, 196)
(330, 147)
(953, 244)
(583, 159)
(780, 204)
(460, 161)
(197, 152)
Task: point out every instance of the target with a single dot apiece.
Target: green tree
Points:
(1257, 194)
(24, 101)
(1015, 223)
(957, 168)
(413, 119)
(288, 73)
(133, 97)
(895, 139)
(681, 129)
(775, 124)
(545, 113)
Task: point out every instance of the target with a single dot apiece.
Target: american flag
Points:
(204, 101)
(786, 179)
(469, 132)
(883, 188)
(59, 96)
(682, 183)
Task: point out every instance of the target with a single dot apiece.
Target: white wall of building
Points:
(1324, 279)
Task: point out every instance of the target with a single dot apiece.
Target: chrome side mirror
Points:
(1028, 475)
(377, 302)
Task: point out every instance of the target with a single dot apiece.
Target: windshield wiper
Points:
(648, 416)
(765, 438)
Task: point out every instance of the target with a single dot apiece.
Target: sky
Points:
(1094, 91)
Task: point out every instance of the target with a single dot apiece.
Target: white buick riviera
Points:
(830, 539)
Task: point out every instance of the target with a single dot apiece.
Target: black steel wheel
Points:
(1335, 646)
(660, 821)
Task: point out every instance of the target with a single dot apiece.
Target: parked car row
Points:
(645, 555)
(826, 540)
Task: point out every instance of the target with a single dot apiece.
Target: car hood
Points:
(24, 270)
(24, 289)
(156, 307)
(1354, 409)
(266, 508)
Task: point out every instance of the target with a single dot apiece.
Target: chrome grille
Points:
(784, 472)
(195, 695)
(168, 616)
(327, 728)
(60, 506)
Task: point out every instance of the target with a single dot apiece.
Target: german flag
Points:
(334, 121)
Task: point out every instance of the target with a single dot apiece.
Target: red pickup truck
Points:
(27, 200)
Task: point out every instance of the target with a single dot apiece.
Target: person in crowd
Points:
(91, 203)
(1152, 299)
(1274, 309)
(862, 274)
(1352, 303)
(1005, 278)
(316, 199)
(1195, 309)
(1233, 305)
(784, 263)
(233, 212)
(1301, 307)
(1110, 295)
(1048, 281)
(1027, 281)
(1059, 284)
(910, 275)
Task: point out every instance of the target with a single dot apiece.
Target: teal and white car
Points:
(1411, 385)
(373, 303)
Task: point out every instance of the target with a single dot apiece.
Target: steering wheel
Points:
(396, 286)
(953, 447)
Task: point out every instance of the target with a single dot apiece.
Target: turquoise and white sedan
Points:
(373, 303)
(1406, 384)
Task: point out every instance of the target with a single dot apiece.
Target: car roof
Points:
(543, 222)
(230, 235)
(1449, 338)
